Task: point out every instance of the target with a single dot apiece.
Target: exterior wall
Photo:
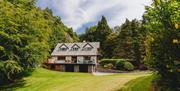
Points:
(63, 68)
(55, 58)
(76, 68)
(80, 59)
(94, 58)
(91, 68)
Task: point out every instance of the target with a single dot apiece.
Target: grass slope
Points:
(46, 80)
(139, 84)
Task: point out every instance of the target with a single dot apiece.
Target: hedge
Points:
(119, 64)
(111, 61)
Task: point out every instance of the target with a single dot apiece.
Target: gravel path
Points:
(102, 73)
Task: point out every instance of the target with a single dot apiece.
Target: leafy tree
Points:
(27, 35)
(161, 19)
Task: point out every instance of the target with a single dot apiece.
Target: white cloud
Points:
(75, 13)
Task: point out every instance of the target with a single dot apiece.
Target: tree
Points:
(123, 48)
(130, 42)
(27, 35)
(98, 33)
(137, 42)
(111, 43)
(89, 34)
(102, 31)
(161, 19)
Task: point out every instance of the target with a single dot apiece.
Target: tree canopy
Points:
(98, 33)
(162, 20)
(27, 35)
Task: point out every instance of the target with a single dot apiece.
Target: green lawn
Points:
(139, 84)
(46, 80)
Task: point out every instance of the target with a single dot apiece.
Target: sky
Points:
(80, 14)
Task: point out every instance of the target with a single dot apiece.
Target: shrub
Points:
(112, 61)
(120, 65)
(128, 66)
(107, 61)
(143, 67)
(108, 66)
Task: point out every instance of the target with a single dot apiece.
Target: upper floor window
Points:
(75, 47)
(63, 47)
(87, 49)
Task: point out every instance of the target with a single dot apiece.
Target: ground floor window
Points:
(61, 58)
(74, 59)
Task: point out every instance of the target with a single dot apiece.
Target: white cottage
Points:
(74, 57)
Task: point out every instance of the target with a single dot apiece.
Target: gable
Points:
(75, 46)
(87, 46)
(63, 47)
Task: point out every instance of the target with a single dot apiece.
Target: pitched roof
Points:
(63, 46)
(80, 51)
(75, 46)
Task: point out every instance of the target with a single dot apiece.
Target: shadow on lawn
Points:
(20, 83)
(12, 86)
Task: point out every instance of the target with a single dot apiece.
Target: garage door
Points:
(83, 68)
(69, 68)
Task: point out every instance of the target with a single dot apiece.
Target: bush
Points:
(128, 66)
(120, 65)
(143, 67)
(112, 61)
(108, 66)
(124, 65)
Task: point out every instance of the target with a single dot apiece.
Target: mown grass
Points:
(46, 80)
(139, 84)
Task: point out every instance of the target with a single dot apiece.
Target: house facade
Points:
(74, 57)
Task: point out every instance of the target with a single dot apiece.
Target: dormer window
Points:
(75, 47)
(87, 47)
(63, 47)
